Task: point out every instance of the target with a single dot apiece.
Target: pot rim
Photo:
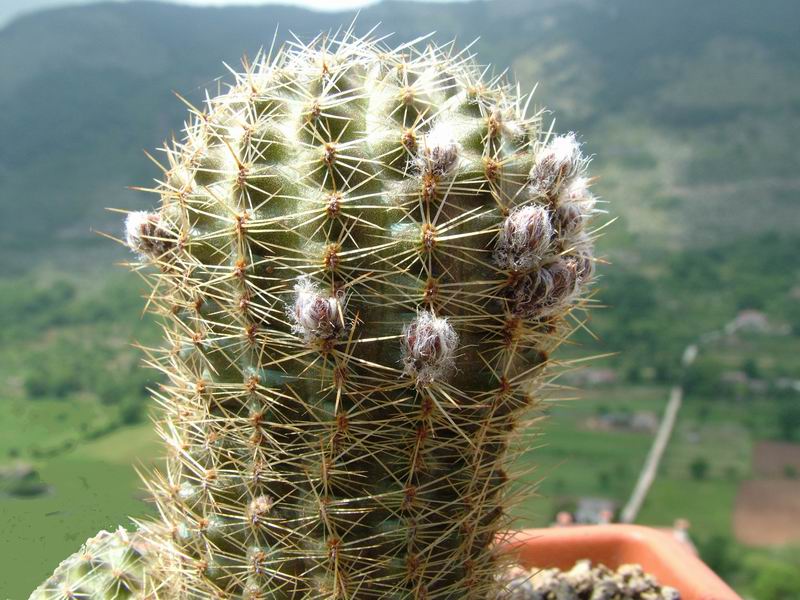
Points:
(659, 553)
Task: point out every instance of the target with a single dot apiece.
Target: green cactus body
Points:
(364, 257)
(110, 566)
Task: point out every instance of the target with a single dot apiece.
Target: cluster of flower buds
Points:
(544, 244)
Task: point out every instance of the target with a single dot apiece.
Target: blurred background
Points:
(692, 110)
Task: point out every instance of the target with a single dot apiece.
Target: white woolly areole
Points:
(439, 153)
(134, 223)
(429, 344)
(314, 315)
(556, 164)
(145, 235)
(258, 509)
(524, 239)
(507, 122)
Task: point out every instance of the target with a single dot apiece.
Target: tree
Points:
(788, 416)
(777, 581)
(699, 468)
(718, 553)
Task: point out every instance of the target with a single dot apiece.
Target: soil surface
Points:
(767, 512)
(773, 459)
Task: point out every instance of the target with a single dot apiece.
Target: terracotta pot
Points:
(659, 553)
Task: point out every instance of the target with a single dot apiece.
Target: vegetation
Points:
(68, 357)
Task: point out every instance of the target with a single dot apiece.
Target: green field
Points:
(93, 487)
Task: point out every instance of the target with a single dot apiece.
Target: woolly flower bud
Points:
(577, 192)
(439, 154)
(146, 235)
(583, 255)
(568, 220)
(428, 345)
(575, 206)
(314, 315)
(524, 239)
(547, 292)
(564, 286)
(556, 164)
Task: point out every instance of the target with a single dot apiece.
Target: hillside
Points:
(692, 112)
(680, 102)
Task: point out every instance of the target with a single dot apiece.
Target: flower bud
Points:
(316, 316)
(439, 154)
(556, 165)
(428, 346)
(546, 292)
(525, 238)
(146, 235)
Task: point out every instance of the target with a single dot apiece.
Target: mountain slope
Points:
(87, 88)
(692, 110)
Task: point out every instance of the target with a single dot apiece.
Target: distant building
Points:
(564, 519)
(785, 383)
(749, 320)
(741, 382)
(600, 511)
(736, 378)
(19, 471)
(638, 422)
(592, 377)
(592, 511)
(21, 480)
(755, 321)
(644, 422)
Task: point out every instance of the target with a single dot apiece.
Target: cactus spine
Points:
(364, 258)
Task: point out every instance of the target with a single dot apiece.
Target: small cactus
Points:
(109, 566)
(363, 258)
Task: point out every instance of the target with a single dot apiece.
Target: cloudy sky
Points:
(13, 8)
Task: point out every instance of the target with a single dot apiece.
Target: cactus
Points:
(363, 258)
(109, 566)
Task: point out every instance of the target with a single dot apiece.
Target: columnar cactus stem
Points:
(364, 258)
